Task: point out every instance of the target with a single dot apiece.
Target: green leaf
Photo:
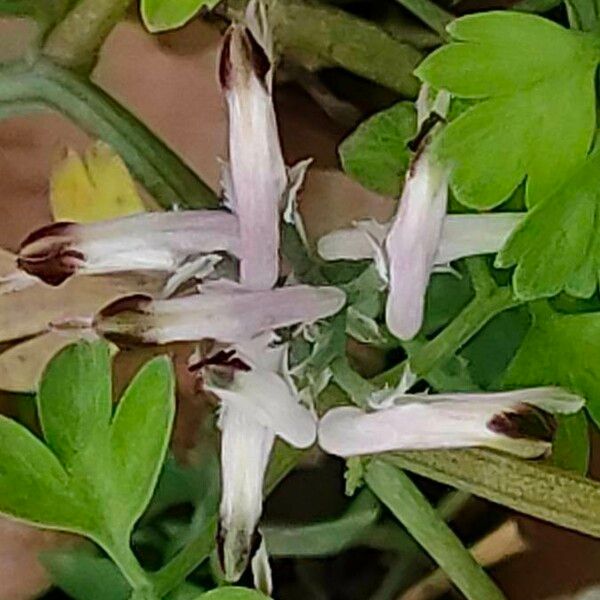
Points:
(232, 593)
(571, 444)
(75, 399)
(101, 475)
(162, 15)
(139, 437)
(561, 350)
(85, 576)
(411, 508)
(556, 247)
(33, 483)
(523, 70)
(327, 538)
(376, 153)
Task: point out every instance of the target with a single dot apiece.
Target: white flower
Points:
(258, 402)
(462, 235)
(420, 236)
(226, 312)
(153, 242)
(258, 178)
(519, 422)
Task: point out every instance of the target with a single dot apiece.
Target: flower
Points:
(421, 235)
(257, 179)
(258, 402)
(462, 235)
(520, 422)
(159, 242)
(224, 311)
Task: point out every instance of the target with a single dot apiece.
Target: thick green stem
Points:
(331, 37)
(554, 495)
(186, 561)
(170, 181)
(75, 42)
(123, 557)
(473, 317)
(431, 14)
(410, 507)
(476, 314)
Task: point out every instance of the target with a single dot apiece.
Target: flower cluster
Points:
(244, 311)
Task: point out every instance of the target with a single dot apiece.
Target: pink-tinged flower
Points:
(519, 422)
(158, 242)
(257, 180)
(259, 402)
(462, 235)
(412, 243)
(226, 312)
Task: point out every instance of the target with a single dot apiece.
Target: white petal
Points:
(353, 243)
(230, 314)
(446, 421)
(266, 397)
(144, 242)
(471, 235)
(412, 244)
(245, 449)
(261, 570)
(258, 172)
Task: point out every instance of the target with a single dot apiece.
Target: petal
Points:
(258, 173)
(228, 313)
(412, 244)
(267, 398)
(245, 449)
(516, 422)
(354, 243)
(144, 242)
(470, 235)
(462, 235)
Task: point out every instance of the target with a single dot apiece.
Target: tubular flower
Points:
(228, 313)
(257, 178)
(520, 422)
(258, 403)
(159, 242)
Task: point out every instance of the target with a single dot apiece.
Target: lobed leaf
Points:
(523, 70)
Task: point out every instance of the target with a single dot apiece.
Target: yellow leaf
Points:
(94, 188)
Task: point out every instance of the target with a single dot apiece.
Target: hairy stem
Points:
(554, 495)
(157, 167)
(75, 41)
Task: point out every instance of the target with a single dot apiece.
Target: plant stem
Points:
(75, 41)
(411, 508)
(186, 561)
(125, 559)
(555, 495)
(331, 37)
(473, 317)
(157, 167)
(431, 14)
